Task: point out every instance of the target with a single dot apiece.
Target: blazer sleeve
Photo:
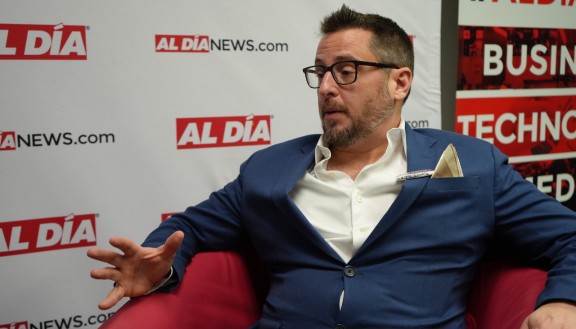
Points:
(213, 224)
(538, 227)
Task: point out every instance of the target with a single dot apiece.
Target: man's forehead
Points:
(344, 45)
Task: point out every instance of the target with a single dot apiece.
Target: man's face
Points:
(353, 111)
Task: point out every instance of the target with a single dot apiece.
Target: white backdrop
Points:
(89, 105)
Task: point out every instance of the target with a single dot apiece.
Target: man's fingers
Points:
(105, 256)
(173, 243)
(133, 269)
(128, 247)
(114, 296)
(108, 273)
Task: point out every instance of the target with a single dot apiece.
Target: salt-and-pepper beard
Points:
(375, 111)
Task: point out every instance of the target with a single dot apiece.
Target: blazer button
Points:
(349, 271)
(339, 326)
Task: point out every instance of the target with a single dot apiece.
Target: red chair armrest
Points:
(504, 294)
(219, 290)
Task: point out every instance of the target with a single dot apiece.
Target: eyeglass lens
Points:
(343, 73)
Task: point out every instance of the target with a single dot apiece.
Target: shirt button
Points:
(349, 271)
(359, 198)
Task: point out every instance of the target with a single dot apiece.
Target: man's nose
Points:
(328, 85)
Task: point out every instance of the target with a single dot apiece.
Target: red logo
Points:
(44, 234)
(222, 131)
(7, 141)
(20, 41)
(15, 325)
(182, 43)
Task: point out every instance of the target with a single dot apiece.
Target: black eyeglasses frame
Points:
(356, 64)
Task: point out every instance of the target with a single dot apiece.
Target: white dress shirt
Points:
(346, 211)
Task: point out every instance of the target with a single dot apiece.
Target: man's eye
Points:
(346, 72)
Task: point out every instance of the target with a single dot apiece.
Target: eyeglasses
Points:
(344, 73)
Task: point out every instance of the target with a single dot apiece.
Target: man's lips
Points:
(331, 113)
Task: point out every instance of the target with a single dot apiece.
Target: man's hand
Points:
(556, 315)
(136, 270)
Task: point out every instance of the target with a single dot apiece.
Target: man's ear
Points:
(403, 82)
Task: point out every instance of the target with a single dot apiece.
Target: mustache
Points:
(331, 106)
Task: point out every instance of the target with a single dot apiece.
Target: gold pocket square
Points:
(449, 164)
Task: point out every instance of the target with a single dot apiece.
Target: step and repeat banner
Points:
(517, 86)
(115, 114)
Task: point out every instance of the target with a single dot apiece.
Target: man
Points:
(354, 230)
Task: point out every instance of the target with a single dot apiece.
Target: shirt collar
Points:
(394, 135)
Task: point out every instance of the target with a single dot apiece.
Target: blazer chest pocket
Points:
(467, 183)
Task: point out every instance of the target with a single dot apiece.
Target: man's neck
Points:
(352, 159)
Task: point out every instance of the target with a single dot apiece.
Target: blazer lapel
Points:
(293, 170)
(421, 154)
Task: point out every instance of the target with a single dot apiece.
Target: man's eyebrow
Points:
(339, 58)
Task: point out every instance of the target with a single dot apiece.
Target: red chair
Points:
(503, 294)
(225, 290)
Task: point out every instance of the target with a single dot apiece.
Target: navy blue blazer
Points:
(414, 270)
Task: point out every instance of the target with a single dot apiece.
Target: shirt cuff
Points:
(164, 282)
